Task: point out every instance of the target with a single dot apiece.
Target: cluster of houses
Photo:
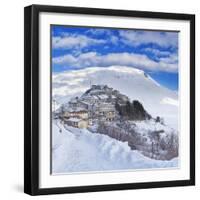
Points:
(96, 104)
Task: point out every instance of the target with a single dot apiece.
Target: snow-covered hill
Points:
(79, 150)
(132, 82)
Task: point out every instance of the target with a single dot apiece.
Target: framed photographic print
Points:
(109, 100)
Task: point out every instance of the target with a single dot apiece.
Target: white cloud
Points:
(64, 59)
(92, 59)
(114, 39)
(110, 37)
(74, 41)
(99, 31)
(157, 52)
(136, 38)
(173, 58)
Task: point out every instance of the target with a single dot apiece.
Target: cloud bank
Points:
(74, 41)
(162, 39)
(92, 59)
(146, 50)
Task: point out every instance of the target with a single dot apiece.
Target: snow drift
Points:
(76, 150)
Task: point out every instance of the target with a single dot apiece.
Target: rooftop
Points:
(73, 119)
(77, 109)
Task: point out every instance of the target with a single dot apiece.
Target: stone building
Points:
(106, 112)
(77, 122)
(82, 114)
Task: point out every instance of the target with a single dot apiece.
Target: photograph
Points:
(109, 99)
(114, 99)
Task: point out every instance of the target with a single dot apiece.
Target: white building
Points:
(82, 114)
(77, 122)
(106, 111)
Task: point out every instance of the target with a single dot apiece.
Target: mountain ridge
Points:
(134, 83)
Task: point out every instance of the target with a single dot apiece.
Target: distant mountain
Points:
(134, 83)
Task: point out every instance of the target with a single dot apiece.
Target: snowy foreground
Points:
(79, 150)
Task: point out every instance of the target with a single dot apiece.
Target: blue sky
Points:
(155, 52)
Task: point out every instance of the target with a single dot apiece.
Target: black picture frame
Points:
(31, 99)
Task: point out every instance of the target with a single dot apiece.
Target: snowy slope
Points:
(134, 83)
(78, 150)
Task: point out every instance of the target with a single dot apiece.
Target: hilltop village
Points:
(99, 104)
